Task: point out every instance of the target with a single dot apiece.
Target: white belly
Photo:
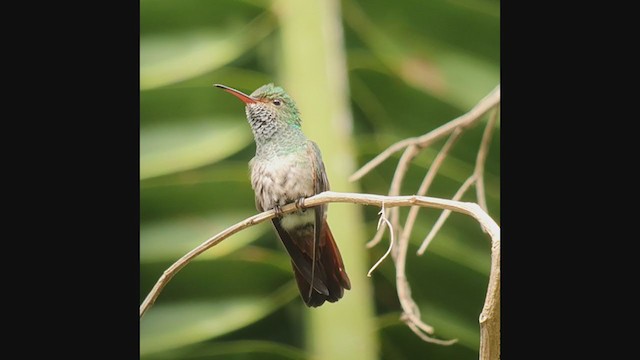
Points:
(281, 181)
(296, 219)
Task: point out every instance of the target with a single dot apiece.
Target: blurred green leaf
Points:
(450, 245)
(246, 273)
(399, 342)
(171, 148)
(263, 350)
(448, 326)
(171, 239)
(168, 59)
(227, 171)
(469, 78)
(412, 67)
(169, 326)
(451, 325)
(159, 202)
(426, 60)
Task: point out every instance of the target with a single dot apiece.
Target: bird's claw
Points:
(300, 204)
(278, 211)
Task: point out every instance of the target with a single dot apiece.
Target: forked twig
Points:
(428, 179)
(445, 214)
(326, 197)
(383, 220)
(490, 327)
(425, 140)
(476, 178)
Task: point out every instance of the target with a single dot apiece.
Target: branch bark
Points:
(490, 316)
(465, 120)
(489, 319)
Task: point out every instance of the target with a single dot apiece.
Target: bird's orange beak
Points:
(239, 94)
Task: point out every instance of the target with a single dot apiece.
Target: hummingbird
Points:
(288, 168)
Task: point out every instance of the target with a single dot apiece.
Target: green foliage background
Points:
(412, 65)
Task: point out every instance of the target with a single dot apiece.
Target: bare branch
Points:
(425, 140)
(477, 179)
(490, 327)
(209, 243)
(326, 197)
(426, 338)
(411, 312)
(480, 194)
(383, 220)
(428, 179)
(490, 316)
(445, 214)
(482, 158)
(396, 183)
(394, 190)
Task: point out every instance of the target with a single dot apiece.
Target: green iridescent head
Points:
(270, 111)
(273, 101)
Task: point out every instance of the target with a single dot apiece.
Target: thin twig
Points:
(394, 190)
(445, 214)
(383, 220)
(482, 158)
(477, 179)
(428, 179)
(414, 145)
(425, 140)
(411, 311)
(471, 209)
(489, 319)
(396, 183)
(426, 338)
(490, 316)
(209, 243)
(382, 157)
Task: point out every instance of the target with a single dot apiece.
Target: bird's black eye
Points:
(277, 102)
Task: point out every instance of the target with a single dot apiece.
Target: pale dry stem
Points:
(428, 179)
(445, 214)
(425, 140)
(490, 317)
(411, 311)
(477, 179)
(323, 198)
(383, 220)
(482, 158)
(421, 335)
(490, 327)
(394, 189)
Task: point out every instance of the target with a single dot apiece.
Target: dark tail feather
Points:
(334, 259)
(300, 260)
(331, 269)
(316, 299)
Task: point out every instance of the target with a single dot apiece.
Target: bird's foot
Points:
(278, 211)
(300, 204)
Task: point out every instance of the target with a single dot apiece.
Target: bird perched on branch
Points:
(287, 168)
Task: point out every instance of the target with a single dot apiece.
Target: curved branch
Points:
(474, 115)
(490, 311)
(445, 214)
(482, 158)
